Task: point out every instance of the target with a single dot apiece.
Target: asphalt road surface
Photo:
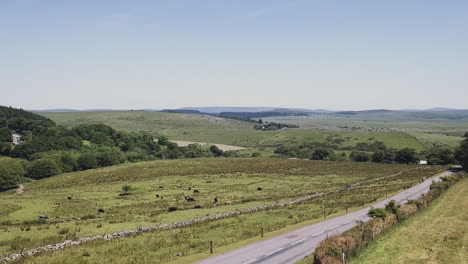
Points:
(293, 246)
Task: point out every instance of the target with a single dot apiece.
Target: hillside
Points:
(437, 235)
(206, 128)
(234, 182)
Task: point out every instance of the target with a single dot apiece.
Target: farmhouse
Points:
(15, 138)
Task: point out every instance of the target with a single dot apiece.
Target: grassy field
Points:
(427, 132)
(437, 235)
(234, 180)
(203, 128)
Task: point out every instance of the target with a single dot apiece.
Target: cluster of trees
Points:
(47, 149)
(314, 151)
(379, 153)
(272, 125)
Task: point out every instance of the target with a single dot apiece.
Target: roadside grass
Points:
(234, 180)
(436, 235)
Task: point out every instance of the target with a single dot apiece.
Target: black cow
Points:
(197, 207)
(259, 189)
(196, 191)
(43, 217)
(101, 210)
(172, 209)
(189, 199)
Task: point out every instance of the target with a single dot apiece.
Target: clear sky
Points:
(165, 54)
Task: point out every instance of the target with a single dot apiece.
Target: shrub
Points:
(43, 168)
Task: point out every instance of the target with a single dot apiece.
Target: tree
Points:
(43, 168)
(216, 151)
(438, 155)
(127, 188)
(5, 135)
(406, 156)
(87, 161)
(109, 158)
(462, 154)
(162, 140)
(359, 156)
(11, 173)
(321, 154)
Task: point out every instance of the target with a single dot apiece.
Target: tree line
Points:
(379, 153)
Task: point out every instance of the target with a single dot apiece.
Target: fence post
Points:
(343, 257)
(262, 231)
(324, 216)
(211, 246)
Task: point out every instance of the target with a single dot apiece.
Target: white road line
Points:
(299, 241)
(317, 234)
(331, 228)
(349, 222)
(273, 252)
(250, 261)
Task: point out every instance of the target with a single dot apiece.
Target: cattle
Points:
(161, 187)
(172, 209)
(43, 217)
(215, 200)
(197, 207)
(69, 198)
(101, 210)
(178, 186)
(157, 195)
(259, 189)
(227, 202)
(189, 199)
(196, 191)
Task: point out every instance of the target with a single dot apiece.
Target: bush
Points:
(359, 156)
(87, 161)
(11, 173)
(43, 168)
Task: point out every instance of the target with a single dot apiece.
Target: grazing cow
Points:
(215, 200)
(43, 217)
(189, 188)
(259, 189)
(160, 187)
(196, 191)
(178, 186)
(69, 198)
(101, 210)
(157, 195)
(227, 202)
(189, 199)
(172, 209)
(197, 207)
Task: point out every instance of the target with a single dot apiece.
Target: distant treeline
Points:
(272, 125)
(378, 152)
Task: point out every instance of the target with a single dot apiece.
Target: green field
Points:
(204, 128)
(437, 235)
(234, 180)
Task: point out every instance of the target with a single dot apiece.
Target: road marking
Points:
(299, 241)
(250, 261)
(273, 252)
(333, 227)
(348, 222)
(317, 234)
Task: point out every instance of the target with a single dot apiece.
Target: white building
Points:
(423, 162)
(15, 138)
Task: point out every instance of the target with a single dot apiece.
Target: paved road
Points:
(293, 246)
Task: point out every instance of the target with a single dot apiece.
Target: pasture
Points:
(230, 180)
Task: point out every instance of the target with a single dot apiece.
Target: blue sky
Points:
(166, 54)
